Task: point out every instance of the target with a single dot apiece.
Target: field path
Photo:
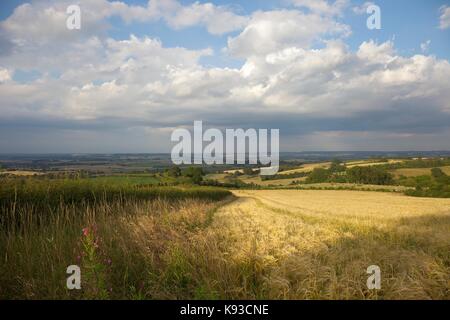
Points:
(318, 244)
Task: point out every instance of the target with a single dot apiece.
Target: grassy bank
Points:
(125, 239)
(49, 194)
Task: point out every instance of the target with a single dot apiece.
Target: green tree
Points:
(318, 175)
(437, 173)
(248, 171)
(369, 175)
(336, 166)
(195, 174)
(174, 172)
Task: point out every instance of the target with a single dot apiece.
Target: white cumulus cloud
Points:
(323, 6)
(272, 31)
(297, 74)
(444, 19)
(362, 9)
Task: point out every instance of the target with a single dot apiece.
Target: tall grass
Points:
(166, 243)
(52, 192)
(48, 225)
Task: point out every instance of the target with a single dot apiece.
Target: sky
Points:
(136, 70)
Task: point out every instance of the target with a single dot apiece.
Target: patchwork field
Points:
(415, 172)
(307, 167)
(350, 164)
(370, 163)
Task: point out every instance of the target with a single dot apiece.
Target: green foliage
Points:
(131, 179)
(195, 174)
(44, 196)
(174, 172)
(236, 173)
(318, 175)
(285, 176)
(369, 175)
(249, 171)
(336, 166)
(437, 173)
(117, 234)
(94, 264)
(438, 191)
(437, 185)
(338, 173)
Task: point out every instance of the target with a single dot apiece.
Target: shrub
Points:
(369, 175)
(318, 175)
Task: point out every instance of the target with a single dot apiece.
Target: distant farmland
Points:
(414, 172)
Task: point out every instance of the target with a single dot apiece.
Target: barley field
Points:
(203, 243)
(318, 244)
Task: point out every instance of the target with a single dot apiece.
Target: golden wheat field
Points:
(307, 167)
(318, 244)
(369, 163)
